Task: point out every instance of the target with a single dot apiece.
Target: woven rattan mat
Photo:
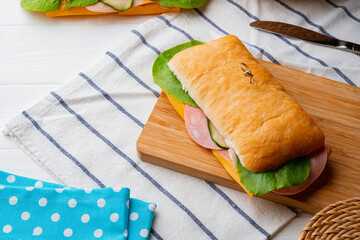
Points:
(340, 220)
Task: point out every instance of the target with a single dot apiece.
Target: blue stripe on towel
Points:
(66, 153)
(307, 20)
(239, 210)
(294, 210)
(341, 74)
(345, 10)
(211, 22)
(174, 27)
(304, 17)
(107, 96)
(157, 51)
(232, 203)
(155, 234)
(271, 58)
(145, 42)
(134, 164)
(117, 60)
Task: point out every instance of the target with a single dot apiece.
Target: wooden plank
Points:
(334, 106)
(47, 57)
(16, 98)
(17, 162)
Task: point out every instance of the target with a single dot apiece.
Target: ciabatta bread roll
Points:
(259, 121)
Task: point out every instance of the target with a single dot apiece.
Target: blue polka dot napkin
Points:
(31, 209)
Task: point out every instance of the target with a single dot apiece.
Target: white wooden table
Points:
(38, 54)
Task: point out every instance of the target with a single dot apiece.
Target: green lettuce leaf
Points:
(79, 3)
(182, 3)
(40, 5)
(291, 173)
(165, 78)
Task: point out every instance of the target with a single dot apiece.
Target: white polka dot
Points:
(72, 203)
(101, 202)
(2, 187)
(37, 231)
(25, 216)
(59, 190)
(39, 184)
(7, 229)
(114, 217)
(42, 202)
(144, 233)
(134, 216)
(152, 207)
(126, 233)
(98, 233)
(29, 189)
(10, 179)
(117, 189)
(67, 188)
(68, 232)
(128, 204)
(13, 200)
(85, 218)
(55, 217)
(88, 190)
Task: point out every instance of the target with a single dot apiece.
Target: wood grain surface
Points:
(335, 106)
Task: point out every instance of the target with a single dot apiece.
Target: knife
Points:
(305, 34)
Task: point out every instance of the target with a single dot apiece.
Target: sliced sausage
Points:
(101, 8)
(318, 161)
(197, 127)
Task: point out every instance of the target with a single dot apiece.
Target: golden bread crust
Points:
(262, 123)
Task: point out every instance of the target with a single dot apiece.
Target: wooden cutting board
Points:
(335, 106)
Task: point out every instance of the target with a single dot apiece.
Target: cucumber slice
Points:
(79, 3)
(182, 3)
(216, 137)
(120, 5)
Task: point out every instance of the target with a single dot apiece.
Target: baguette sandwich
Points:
(61, 8)
(233, 105)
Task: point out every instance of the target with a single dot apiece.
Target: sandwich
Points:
(233, 105)
(60, 8)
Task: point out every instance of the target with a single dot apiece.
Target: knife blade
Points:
(305, 34)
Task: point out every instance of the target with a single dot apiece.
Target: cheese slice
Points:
(179, 106)
(230, 170)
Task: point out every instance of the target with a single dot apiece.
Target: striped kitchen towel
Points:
(84, 133)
